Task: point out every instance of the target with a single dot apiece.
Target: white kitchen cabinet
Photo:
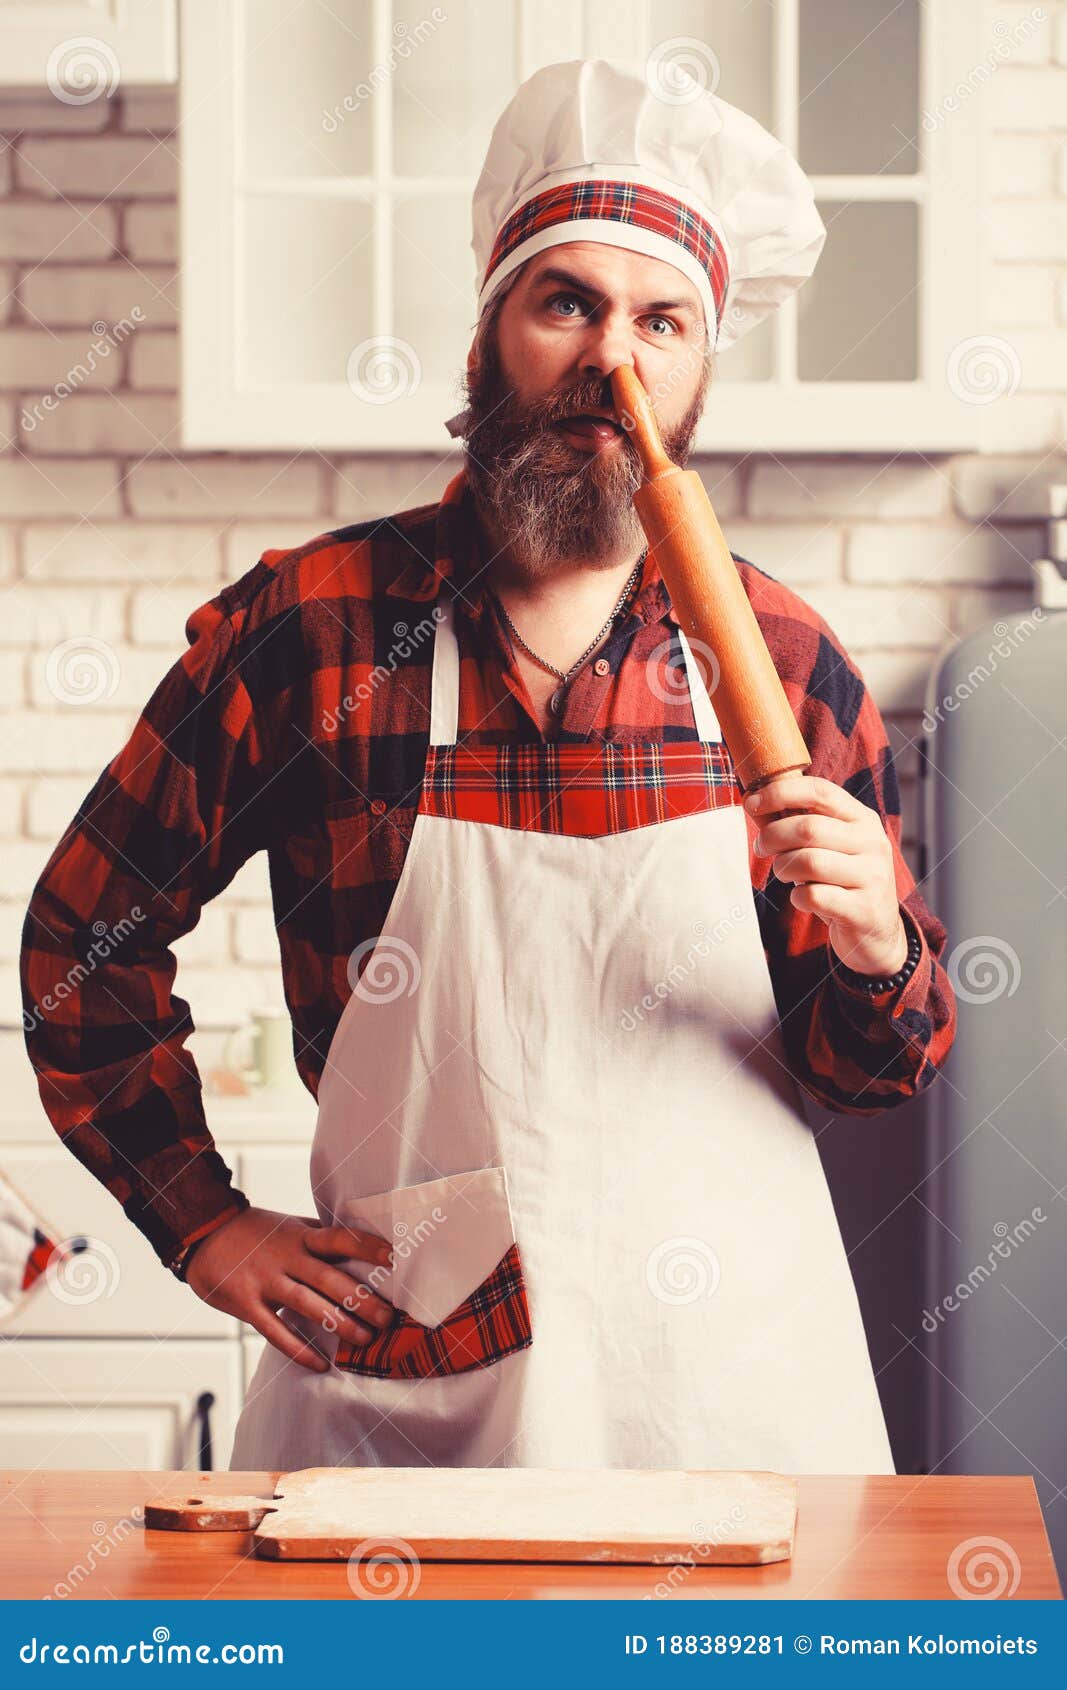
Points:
(103, 1366)
(328, 158)
(118, 1287)
(278, 1176)
(121, 1403)
(87, 45)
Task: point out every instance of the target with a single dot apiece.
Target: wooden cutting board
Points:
(505, 1514)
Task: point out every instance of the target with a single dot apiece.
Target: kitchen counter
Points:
(75, 1534)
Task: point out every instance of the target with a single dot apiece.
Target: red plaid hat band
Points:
(622, 213)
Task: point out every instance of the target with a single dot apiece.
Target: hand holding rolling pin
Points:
(831, 847)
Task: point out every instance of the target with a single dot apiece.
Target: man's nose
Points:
(605, 345)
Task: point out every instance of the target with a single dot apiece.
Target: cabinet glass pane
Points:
(434, 283)
(728, 45)
(309, 264)
(309, 88)
(858, 87)
(858, 314)
(450, 83)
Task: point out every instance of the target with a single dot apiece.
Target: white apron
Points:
(565, 1045)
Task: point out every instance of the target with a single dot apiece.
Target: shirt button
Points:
(378, 806)
(601, 666)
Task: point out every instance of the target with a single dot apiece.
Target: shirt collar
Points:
(458, 559)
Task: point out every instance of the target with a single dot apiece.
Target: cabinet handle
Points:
(204, 1404)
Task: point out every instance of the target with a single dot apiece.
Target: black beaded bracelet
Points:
(888, 982)
(181, 1267)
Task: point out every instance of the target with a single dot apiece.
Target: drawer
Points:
(118, 1289)
(115, 1403)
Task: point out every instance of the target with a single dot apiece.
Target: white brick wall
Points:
(109, 530)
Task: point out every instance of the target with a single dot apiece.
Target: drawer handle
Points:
(204, 1404)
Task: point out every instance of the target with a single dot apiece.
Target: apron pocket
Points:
(457, 1284)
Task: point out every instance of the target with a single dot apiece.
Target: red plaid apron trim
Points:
(491, 1323)
(581, 790)
(617, 202)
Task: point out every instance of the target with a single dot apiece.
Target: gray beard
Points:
(543, 499)
(547, 501)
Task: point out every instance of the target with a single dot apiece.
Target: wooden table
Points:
(73, 1534)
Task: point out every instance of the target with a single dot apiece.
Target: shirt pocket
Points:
(457, 1284)
(348, 845)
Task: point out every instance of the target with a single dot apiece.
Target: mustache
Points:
(553, 407)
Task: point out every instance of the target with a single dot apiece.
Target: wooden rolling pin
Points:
(757, 723)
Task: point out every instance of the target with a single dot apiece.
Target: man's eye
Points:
(564, 299)
(666, 321)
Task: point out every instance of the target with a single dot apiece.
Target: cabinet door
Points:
(123, 1403)
(278, 1176)
(118, 1285)
(80, 49)
(328, 160)
(274, 1176)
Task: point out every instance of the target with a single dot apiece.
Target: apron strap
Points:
(444, 685)
(703, 710)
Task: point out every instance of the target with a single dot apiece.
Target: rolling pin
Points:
(757, 722)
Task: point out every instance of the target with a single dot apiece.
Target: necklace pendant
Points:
(555, 703)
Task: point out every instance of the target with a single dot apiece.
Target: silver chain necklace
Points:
(565, 674)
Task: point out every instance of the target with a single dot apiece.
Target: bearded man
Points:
(555, 984)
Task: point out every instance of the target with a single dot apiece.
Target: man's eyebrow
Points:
(569, 279)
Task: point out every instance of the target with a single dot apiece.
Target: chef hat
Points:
(602, 150)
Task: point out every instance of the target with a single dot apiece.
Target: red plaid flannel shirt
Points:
(297, 723)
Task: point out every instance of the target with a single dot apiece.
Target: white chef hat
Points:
(608, 150)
